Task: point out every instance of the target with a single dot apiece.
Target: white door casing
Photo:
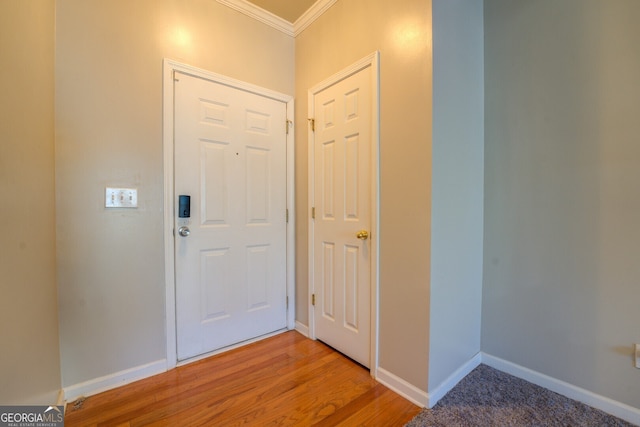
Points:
(343, 196)
(232, 275)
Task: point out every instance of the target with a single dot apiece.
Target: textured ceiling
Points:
(289, 10)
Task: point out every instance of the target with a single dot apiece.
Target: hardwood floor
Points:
(283, 380)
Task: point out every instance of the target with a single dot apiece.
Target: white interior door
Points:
(342, 143)
(230, 158)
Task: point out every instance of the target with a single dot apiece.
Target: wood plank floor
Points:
(283, 380)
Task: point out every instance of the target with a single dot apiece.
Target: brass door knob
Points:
(362, 235)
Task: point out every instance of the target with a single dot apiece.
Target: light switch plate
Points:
(121, 198)
(637, 347)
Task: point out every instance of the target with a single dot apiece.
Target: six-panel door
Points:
(230, 157)
(342, 192)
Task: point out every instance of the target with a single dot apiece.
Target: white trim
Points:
(402, 387)
(610, 406)
(302, 329)
(311, 328)
(169, 66)
(260, 14)
(313, 13)
(45, 398)
(421, 397)
(268, 18)
(453, 380)
(291, 209)
(375, 208)
(169, 265)
(373, 61)
(428, 400)
(108, 382)
(370, 60)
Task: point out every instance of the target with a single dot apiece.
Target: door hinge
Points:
(288, 124)
(313, 213)
(287, 302)
(313, 299)
(312, 123)
(286, 215)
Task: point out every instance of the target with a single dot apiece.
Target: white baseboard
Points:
(44, 398)
(114, 380)
(303, 329)
(610, 406)
(420, 397)
(402, 387)
(453, 380)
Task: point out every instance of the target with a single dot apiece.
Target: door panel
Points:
(230, 157)
(215, 209)
(342, 193)
(215, 282)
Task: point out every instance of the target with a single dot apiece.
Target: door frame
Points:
(169, 68)
(373, 61)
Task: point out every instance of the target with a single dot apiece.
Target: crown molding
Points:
(313, 13)
(268, 18)
(260, 14)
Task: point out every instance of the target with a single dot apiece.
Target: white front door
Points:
(342, 144)
(230, 253)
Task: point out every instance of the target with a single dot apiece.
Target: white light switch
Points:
(121, 198)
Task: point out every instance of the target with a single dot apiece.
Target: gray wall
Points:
(30, 358)
(559, 289)
(562, 194)
(457, 186)
(109, 133)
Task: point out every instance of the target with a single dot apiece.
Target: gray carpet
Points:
(488, 397)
